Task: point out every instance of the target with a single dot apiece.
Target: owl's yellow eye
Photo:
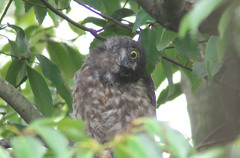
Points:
(133, 54)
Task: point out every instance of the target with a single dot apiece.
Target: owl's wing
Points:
(151, 90)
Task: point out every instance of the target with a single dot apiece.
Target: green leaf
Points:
(139, 146)
(22, 44)
(68, 59)
(193, 18)
(51, 71)
(142, 18)
(27, 147)
(211, 58)
(194, 79)
(40, 14)
(42, 96)
(54, 17)
(72, 129)
(199, 69)
(4, 153)
(174, 141)
(19, 8)
(94, 20)
(148, 39)
(164, 37)
(122, 13)
(158, 75)
(167, 66)
(55, 140)
(16, 72)
(164, 95)
(111, 6)
(187, 47)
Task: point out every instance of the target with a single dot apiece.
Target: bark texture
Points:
(214, 109)
(18, 102)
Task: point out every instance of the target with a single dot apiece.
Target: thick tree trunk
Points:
(214, 109)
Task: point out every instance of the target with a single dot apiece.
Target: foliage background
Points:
(40, 66)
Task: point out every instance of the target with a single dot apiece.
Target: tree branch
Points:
(166, 12)
(5, 10)
(93, 32)
(105, 16)
(176, 63)
(18, 102)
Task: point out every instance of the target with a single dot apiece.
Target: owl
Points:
(112, 88)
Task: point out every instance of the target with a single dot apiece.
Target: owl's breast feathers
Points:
(108, 108)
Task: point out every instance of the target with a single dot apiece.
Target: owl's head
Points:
(120, 59)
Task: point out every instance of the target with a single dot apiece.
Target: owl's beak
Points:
(125, 63)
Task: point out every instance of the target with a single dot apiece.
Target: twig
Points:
(93, 32)
(105, 16)
(5, 10)
(176, 63)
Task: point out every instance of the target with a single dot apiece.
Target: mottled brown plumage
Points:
(111, 89)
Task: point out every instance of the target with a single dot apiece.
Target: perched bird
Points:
(112, 88)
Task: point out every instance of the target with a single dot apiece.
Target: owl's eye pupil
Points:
(133, 55)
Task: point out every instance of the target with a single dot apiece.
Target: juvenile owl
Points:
(112, 88)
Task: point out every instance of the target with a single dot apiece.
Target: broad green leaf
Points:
(199, 69)
(94, 20)
(51, 71)
(40, 14)
(55, 140)
(216, 152)
(194, 79)
(19, 8)
(111, 6)
(4, 153)
(193, 18)
(187, 47)
(164, 37)
(164, 95)
(22, 44)
(174, 141)
(158, 75)
(63, 4)
(68, 59)
(16, 73)
(4, 3)
(42, 96)
(142, 18)
(72, 129)
(28, 147)
(148, 39)
(138, 146)
(167, 66)
(211, 58)
(55, 18)
(13, 48)
(122, 13)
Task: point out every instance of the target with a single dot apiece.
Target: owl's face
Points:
(120, 59)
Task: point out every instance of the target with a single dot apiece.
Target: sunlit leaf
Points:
(158, 75)
(19, 8)
(55, 140)
(27, 147)
(73, 129)
(111, 6)
(4, 153)
(42, 95)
